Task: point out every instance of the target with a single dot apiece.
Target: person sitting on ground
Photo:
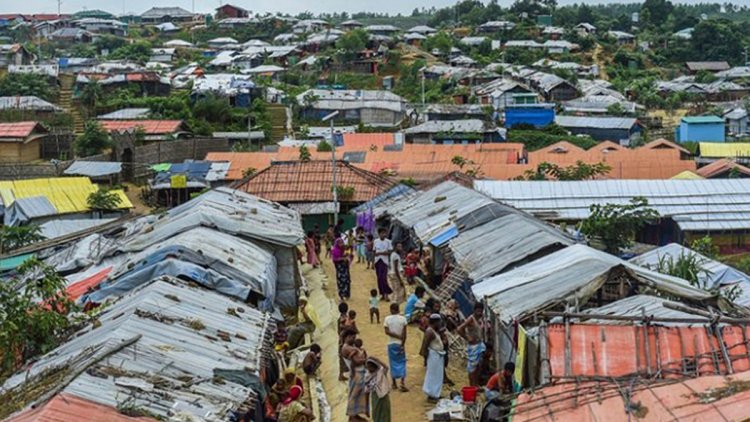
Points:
(374, 302)
(280, 389)
(292, 410)
(280, 337)
(307, 322)
(415, 305)
(312, 360)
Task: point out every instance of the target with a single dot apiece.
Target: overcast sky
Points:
(287, 6)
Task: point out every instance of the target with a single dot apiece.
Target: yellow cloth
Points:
(312, 316)
(289, 412)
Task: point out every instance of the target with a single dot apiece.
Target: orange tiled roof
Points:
(66, 407)
(364, 141)
(719, 167)
(151, 127)
(311, 181)
(500, 161)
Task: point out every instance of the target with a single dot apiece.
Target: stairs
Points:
(278, 117)
(65, 100)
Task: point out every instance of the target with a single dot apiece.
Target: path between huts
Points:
(410, 406)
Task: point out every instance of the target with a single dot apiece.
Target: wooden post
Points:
(724, 352)
(544, 370)
(657, 345)
(568, 363)
(714, 355)
(647, 341)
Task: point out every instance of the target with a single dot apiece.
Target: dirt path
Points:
(409, 406)
(596, 57)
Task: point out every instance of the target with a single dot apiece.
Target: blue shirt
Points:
(410, 302)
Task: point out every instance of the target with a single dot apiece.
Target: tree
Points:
(15, 84)
(616, 225)
(93, 140)
(324, 146)
(616, 109)
(705, 77)
(33, 319)
(92, 94)
(103, 200)
(579, 171)
(352, 42)
(139, 51)
(12, 238)
(657, 11)
(441, 42)
(304, 153)
(717, 40)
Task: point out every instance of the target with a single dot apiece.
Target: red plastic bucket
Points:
(469, 394)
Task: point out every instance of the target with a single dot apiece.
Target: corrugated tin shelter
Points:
(720, 206)
(21, 141)
(160, 349)
(24, 210)
(622, 130)
(724, 150)
(373, 108)
(62, 227)
(723, 169)
(573, 276)
(126, 114)
(27, 103)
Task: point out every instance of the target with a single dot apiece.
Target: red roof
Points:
(707, 398)
(66, 407)
(365, 141)
(19, 129)
(311, 181)
(80, 288)
(142, 77)
(151, 127)
(49, 17)
(721, 168)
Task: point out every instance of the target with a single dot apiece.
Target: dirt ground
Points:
(410, 406)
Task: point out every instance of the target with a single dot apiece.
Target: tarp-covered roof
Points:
(571, 274)
(176, 347)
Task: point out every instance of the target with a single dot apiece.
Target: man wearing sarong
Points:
(433, 350)
(395, 328)
(471, 330)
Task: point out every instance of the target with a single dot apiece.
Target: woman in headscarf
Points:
(312, 255)
(377, 383)
(292, 410)
(341, 262)
(358, 401)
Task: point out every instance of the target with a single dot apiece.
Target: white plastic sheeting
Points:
(63, 227)
(179, 345)
(569, 275)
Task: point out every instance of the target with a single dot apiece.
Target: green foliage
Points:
(324, 146)
(13, 84)
(408, 182)
(705, 247)
(83, 50)
(110, 43)
(579, 171)
(33, 319)
(442, 41)
(714, 39)
(248, 172)
(93, 140)
(139, 51)
(344, 192)
(103, 200)
(213, 109)
(616, 109)
(12, 238)
(467, 167)
(91, 95)
(304, 153)
(352, 42)
(616, 225)
(690, 267)
(537, 139)
(705, 77)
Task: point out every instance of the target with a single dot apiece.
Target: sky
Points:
(285, 6)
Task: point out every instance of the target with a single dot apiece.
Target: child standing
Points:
(374, 301)
(351, 322)
(359, 245)
(370, 251)
(411, 268)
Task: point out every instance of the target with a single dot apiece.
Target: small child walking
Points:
(370, 251)
(374, 302)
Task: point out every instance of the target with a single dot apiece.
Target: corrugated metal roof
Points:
(18, 129)
(625, 123)
(23, 210)
(386, 199)
(577, 271)
(27, 102)
(702, 119)
(63, 227)
(724, 149)
(453, 126)
(94, 168)
(720, 168)
(639, 306)
(350, 99)
(693, 204)
(178, 345)
(67, 194)
(126, 114)
(160, 12)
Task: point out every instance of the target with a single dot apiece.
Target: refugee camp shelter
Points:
(688, 209)
(700, 129)
(307, 186)
(149, 348)
(21, 141)
(622, 130)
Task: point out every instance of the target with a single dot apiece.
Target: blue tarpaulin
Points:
(445, 236)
